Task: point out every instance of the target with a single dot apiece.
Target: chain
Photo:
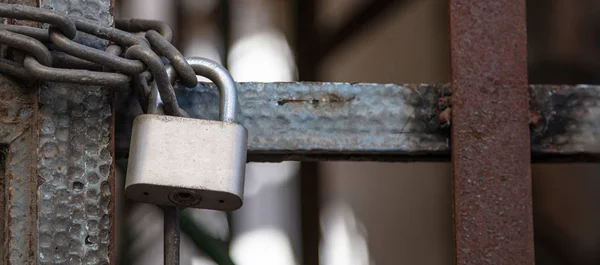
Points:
(138, 54)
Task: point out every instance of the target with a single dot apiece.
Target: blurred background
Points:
(352, 213)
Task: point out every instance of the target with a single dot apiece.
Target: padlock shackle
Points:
(219, 75)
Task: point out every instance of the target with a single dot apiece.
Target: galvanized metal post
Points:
(490, 133)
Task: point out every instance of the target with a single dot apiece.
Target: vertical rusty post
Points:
(490, 133)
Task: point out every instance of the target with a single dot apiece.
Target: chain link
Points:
(51, 54)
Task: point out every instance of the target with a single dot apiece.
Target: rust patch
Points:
(444, 102)
(112, 245)
(282, 102)
(333, 98)
(534, 117)
(445, 116)
(329, 99)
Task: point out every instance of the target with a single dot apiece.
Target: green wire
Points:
(212, 247)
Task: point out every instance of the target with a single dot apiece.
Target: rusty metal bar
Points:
(490, 133)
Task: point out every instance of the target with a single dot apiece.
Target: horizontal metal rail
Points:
(384, 122)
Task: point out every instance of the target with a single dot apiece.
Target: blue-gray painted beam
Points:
(289, 121)
(324, 121)
(385, 122)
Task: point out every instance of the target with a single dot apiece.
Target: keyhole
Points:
(184, 198)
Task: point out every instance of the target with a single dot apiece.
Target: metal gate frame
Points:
(498, 125)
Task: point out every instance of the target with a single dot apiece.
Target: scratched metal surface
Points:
(303, 121)
(75, 164)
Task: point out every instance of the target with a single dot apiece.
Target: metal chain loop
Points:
(165, 48)
(160, 77)
(75, 76)
(97, 56)
(142, 25)
(52, 55)
(39, 15)
(27, 44)
(115, 35)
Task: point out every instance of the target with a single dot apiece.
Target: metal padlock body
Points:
(187, 162)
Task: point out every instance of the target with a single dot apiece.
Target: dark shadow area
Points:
(563, 48)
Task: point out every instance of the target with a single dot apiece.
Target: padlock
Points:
(188, 162)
